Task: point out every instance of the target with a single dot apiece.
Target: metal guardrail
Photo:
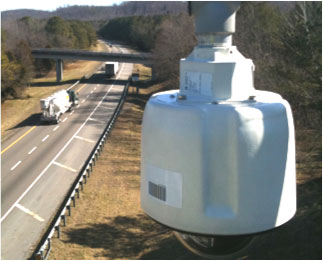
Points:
(44, 247)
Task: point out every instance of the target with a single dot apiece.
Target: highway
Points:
(40, 162)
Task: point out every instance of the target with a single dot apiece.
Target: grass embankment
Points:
(14, 112)
(108, 222)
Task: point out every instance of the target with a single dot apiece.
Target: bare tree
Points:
(175, 40)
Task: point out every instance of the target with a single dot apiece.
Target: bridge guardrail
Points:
(44, 247)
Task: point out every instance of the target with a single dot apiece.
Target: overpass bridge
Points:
(69, 54)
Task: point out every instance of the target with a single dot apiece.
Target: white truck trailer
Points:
(111, 68)
(57, 104)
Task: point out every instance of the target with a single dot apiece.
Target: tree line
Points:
(19, 37)
(101, 13)
(285, 44)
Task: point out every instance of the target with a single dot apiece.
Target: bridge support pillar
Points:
(59, 70)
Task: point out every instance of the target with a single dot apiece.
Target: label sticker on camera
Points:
(164, 185)
(198, 83)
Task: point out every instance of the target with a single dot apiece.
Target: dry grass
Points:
(108, 222)
(13, 112)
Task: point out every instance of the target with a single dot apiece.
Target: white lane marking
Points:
(45, 138)
(95, 88)
(106, 107)
(71, 112)
(91, 119)
(56, 128)
(87, 96)
(32, 150)
(91, 91)
(59, 153)
(27, 211)
(83, 101)
(16, 165)
(78, 106)
(64, 119)
(65, 167)
(81, 138)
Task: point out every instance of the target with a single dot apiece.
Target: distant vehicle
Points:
(111, 68)
(54, 106)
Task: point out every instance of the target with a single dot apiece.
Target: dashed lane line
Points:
(32, 150)
(91, 119)
(56, 128)
(64, 166)
(45, 138)
(16, 165)
(27, 211)
(81, 138)
(4, 216)
(64, 119)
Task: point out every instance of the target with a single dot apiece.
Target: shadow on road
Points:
(53, 83)
(32, 120)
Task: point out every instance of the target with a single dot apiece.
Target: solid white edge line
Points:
(16, 165)
(32, 150)
(59, 153)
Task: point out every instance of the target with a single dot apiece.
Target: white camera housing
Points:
(218, 156)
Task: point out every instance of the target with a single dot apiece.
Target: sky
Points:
(50, 5)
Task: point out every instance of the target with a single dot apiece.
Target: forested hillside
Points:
(285, 44)
(17, 64)
(95, 13)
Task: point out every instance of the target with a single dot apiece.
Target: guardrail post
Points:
(91, 166)
(88, 172)
(73, 199)
(64, 220)
(81, 183)
(78, 192)
(69, 209)
(84, 176)
(57, 228)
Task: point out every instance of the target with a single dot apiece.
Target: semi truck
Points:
(54, 106)
(111, 68)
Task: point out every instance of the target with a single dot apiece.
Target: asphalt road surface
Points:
(40, 162)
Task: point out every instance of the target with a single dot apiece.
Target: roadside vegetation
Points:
(285, 44)
(108, 223)
(22, 111)
(18, 38)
